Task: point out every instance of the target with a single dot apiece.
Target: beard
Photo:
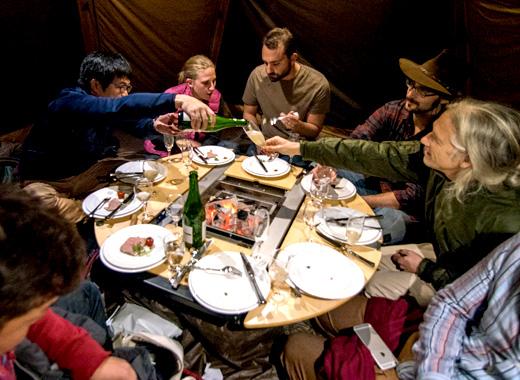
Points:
(415, 107)
(278, 77)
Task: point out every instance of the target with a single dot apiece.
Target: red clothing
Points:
(68, 345)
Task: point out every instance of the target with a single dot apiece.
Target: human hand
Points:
(281, 145)
(167, 124)
(198, 112)
(113, 368)
(290, 120)
(321, 172)
(407, 260)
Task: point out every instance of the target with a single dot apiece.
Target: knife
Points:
(123, 174)
(196, 255)
(260, 162)
(199, 153)
(121, 206)
(344, 249)
(357, 217)
(251, 276)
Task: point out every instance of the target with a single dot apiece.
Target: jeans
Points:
(395, 222)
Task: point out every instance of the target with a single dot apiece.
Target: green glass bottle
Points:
(220, 123)
(194, 218)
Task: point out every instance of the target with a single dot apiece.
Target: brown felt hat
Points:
(442, 73)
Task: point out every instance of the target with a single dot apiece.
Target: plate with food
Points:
(108, 199)
(129, 172)
(275, 168)
(214, 155)
(134, 249)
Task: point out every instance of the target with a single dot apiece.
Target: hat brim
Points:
(413, 71)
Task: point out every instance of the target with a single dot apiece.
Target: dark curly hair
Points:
(42, 254)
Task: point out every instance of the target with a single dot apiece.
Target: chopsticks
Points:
(260, 162)
(199, 153)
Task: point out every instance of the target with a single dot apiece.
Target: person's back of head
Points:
(280, 35)
(193, 65)
(42, 254)
(489, 133)
(103, 66)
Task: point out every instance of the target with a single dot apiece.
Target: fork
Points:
(273, 120)
(98, 206)
(227, 269)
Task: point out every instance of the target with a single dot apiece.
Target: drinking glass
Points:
(257, 137)
(279, 273)
(143, 189)
(354, 231)
(174, 251)
(261, 222)
(310, 217)
(174, 208)
(151, 171)
(294, 137)
(322, 176)
(187, 156)
(168, 143)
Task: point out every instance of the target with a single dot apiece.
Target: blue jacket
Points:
(76, 131)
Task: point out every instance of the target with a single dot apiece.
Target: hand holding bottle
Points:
(198, 112)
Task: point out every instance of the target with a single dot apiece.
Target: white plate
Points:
(137, 166)
(338, 232)
(275, 168)
(226, 294)
(224, 155)
(90, 202)
(323, 272)
(348, 189)
(111, 254)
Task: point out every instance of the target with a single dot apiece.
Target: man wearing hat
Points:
(430, 87)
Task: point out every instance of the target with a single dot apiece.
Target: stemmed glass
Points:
(257, 137)
(150, 171)
(174, 208)
(310, 217)
(354, 230)
(187, 156)
(294, 137)
(143, 189)
(174, 251)
(261, 222)
(279, 273)
(168, 143)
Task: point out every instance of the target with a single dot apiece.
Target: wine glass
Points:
(354, 230)
(310, 217)
(257, 137)
(261, 222)
(279, 273)
(150, 170)
(143, 189)
(187, 158)
(174, 208)
(174, 251)
(168, 143)
(294, 137)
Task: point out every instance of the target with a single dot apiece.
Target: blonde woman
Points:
(198, 79)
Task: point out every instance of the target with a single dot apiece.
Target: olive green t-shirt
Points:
(307, 93)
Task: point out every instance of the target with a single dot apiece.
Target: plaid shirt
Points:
(471, 328)
(393, 122)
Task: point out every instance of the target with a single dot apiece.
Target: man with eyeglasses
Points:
(72, 147)
(430, 87)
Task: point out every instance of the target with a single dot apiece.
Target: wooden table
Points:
(269, 315)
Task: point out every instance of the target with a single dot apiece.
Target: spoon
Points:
(227, 269)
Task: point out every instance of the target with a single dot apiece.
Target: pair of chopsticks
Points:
(260, 162)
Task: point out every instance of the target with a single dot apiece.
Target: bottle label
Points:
(203, 232)
(188, 233)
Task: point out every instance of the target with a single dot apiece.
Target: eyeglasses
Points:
(418, 89)
(123, 88)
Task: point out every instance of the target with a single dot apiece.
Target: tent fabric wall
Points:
(156, 36)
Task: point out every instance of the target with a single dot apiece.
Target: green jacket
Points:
(462, 233)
